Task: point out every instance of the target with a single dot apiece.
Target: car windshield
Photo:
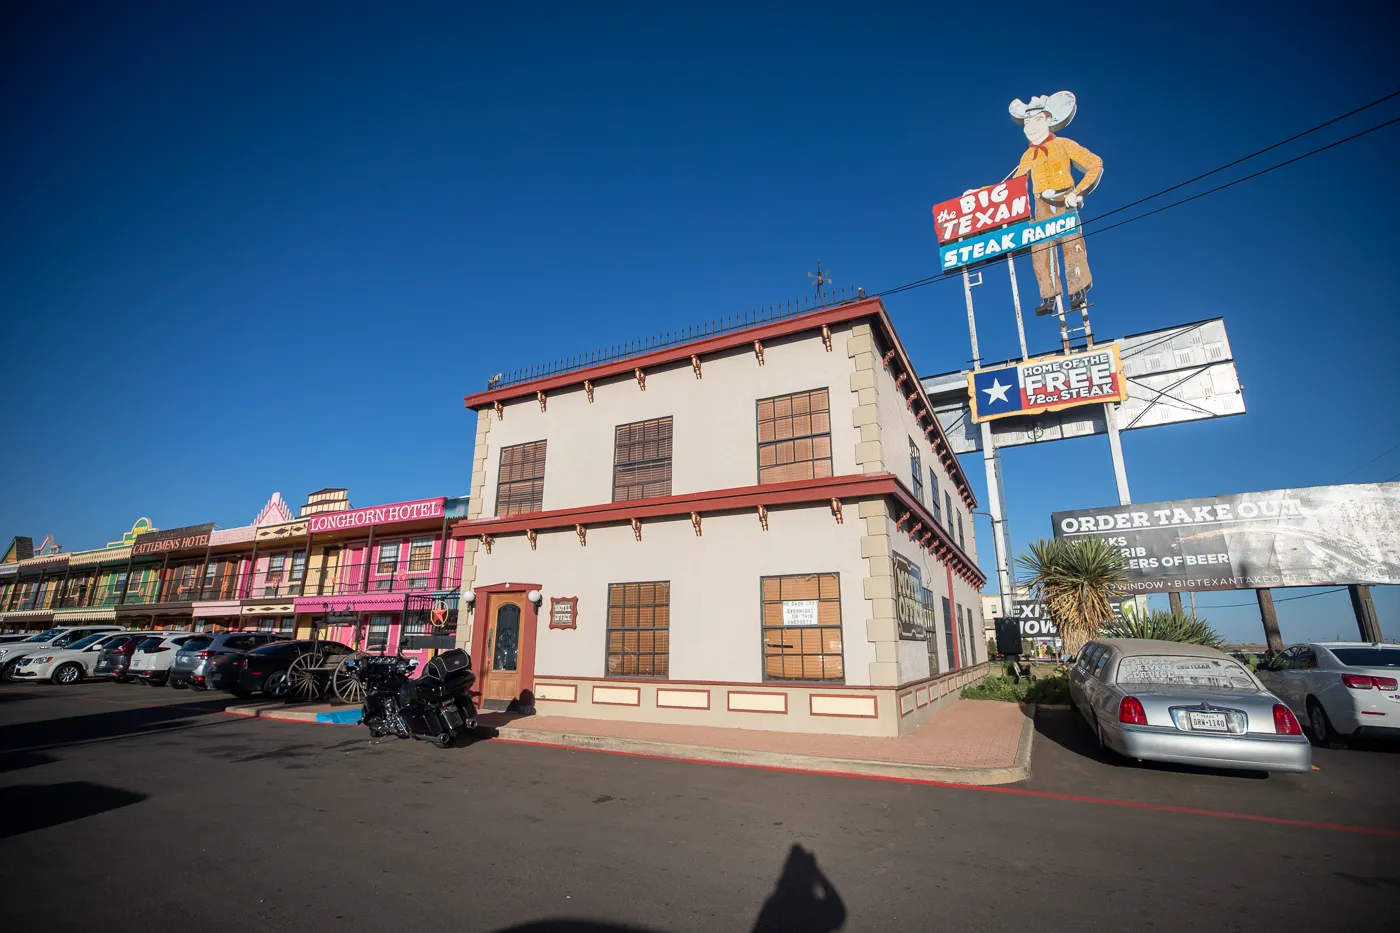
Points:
(84, 642)
(196, 644)
(44, 636)
(1181, 671)
(1368, 657)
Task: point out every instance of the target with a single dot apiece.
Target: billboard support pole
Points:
(1365, 609)
(1016, 301)
(1115, 447)
(1270, 619)
(991, 462)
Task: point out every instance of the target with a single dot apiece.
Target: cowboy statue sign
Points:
(1049, 161)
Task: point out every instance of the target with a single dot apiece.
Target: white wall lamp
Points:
(535, 597)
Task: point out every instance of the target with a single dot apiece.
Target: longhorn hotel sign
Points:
(1314, 536)
(176, 539)
(376, 515)
(1050, 383)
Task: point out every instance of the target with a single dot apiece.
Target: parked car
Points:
(9, 639)
(265, 669)
(116, 655)
(153, 657)
(69, 665)
(1189, 704)
(211, 660)
(1343, 689)
(51, 638)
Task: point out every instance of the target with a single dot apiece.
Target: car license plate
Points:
(1209, 722)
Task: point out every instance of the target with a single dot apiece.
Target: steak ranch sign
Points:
(1313, 536)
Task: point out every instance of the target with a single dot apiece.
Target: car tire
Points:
(68, 674)
(274, 682)
(1321, 727)
(7, 673)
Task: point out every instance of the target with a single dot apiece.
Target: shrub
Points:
(1052, 690)
(1165, 626)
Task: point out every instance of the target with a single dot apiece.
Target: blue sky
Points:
(264, 247)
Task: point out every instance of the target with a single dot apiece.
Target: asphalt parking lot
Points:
(125, 807)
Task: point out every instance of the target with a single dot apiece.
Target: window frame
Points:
(763, 628)
(415, 544)
(668, 421)
(393, 562)
(515, 505)
(937, 507)
(609, 629)
(775, 442)
(916, 469)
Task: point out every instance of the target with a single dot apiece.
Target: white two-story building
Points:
(761, 528)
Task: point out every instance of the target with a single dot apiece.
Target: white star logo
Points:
(997, 393)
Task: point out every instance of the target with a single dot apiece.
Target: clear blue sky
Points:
(254, 247)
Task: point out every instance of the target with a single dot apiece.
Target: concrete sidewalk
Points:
(970, 742)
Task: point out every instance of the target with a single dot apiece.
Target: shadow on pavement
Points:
(18, 761)
(77, 730)
(30, 807)
(804, 901)
(1067, 729)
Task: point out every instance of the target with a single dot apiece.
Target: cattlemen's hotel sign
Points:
(176, 539)
(1314, 536)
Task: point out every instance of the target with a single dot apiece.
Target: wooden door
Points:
(500, 657)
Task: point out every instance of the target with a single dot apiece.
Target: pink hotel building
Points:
(763, 528)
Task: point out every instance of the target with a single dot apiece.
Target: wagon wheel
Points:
(347, 687)
(302, 682)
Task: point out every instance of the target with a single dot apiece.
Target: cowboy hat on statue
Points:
(1049, 161)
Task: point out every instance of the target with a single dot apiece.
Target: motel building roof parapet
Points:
(750, 334)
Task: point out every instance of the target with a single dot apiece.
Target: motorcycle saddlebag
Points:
(447, 663)
(423, 720)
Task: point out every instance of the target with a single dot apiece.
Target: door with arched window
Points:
(499, 667)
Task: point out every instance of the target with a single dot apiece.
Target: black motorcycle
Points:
(435, 708)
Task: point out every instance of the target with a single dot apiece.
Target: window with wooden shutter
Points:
(794, 437)
(801, 618)
(639, 623)
(520, 483)
(642, 460)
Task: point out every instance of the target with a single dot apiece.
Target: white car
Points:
(69, 665)
(1343, 689)
(11, 654)
(153, 658)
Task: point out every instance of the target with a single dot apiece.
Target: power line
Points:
(1258, 152)
(942, 277)
(1369, 462)
(1286, 599)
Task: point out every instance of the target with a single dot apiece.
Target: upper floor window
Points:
(388, 558)
(948, 507)
(794, 437)
(298, 565)
(962, 542)
(933, 495)
(420, 555)
(520, 484)
(642, 460)
(916, 469)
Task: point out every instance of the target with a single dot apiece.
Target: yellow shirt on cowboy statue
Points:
(1049, 165)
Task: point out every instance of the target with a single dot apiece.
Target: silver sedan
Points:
(1187, 704)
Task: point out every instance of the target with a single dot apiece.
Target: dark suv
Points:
(215, 665)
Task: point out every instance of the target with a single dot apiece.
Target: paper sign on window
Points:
(800, 612)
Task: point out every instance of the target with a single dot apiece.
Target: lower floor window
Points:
(948, 633)
(378, 633)
(639, 623)
(286, 625)
(801, 616)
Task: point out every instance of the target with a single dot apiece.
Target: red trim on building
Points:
(742, 498)
(681, 353)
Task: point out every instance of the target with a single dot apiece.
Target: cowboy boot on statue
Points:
(1055, 191)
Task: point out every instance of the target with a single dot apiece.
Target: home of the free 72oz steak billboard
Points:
(1313, 536)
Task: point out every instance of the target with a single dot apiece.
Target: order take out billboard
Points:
(1313, 536)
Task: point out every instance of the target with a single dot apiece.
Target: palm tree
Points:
(1075, 579)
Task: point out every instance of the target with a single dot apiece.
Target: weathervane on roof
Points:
(820, 279)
